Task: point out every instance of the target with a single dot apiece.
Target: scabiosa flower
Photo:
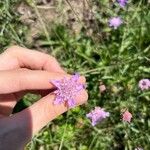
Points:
(126, 116)
(122, 3)
(144, 84)
(97, 115)
(102, 88)
(115, 22)
(67, 90)
(138, 148)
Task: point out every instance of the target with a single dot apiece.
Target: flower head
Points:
(138, 148)
(144, 84)
(126, 116)
(97, 115)
(67, 90)
(102, 88)
(115, 22)
(122, 3)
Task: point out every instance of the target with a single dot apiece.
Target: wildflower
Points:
(144, 84)
(138, 148)
(115, 22)
(126, 116)
(97, 115)
(102, 88)
(122, 3)
(67, 90)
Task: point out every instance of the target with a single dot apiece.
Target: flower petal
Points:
(89, 115)
(80, 87)
(57, 101)
(75, 77)
(55, 83)
(71, 103)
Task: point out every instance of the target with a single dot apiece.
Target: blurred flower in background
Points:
(97, 115)
(126, 116)
(122, 3)
(144, 84)
(138, 148)
(115, 22)
(102, 88)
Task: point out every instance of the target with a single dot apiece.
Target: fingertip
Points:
(82, 97)
(82, 79)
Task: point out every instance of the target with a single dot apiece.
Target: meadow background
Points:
(76, 32)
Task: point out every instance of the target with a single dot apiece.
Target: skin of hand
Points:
(22, 71)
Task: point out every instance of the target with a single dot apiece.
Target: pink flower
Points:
(138, 148)
(97, 115)
(126, 116)
(67, 90)
(115, 22)
(144, 84)
(102, 88)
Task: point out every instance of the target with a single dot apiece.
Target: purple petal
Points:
(80, 87)
(55, 83)
(58, 101)
(93, 123)
(75, 77)
(89, 115)
(55, 92)
(106, 114)
(71, 103)
(122, 3)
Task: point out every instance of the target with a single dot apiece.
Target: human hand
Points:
(23, 71)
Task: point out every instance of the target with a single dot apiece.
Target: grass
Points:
(118, 58)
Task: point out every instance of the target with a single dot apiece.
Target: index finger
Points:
(20, 57)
